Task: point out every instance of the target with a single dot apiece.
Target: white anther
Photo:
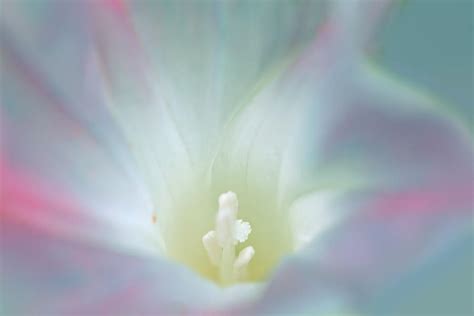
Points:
(212, 247)
(241, 263)
(244, 257)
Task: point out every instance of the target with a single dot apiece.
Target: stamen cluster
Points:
(220, 243)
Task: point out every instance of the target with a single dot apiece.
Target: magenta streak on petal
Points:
(114, 16)
(122, 16)
(376, 11)
(116, 5)
(33, 201)
(320, 55)
(393, 230)
(448, 199)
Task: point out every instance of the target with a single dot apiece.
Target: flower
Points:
(216, 157)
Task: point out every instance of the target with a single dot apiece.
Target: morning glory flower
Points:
(211, 157)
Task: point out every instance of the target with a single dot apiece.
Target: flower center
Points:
(220, 243)
(241, 238)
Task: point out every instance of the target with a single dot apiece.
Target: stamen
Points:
(242, 261)
(212, 247)
(220, 243)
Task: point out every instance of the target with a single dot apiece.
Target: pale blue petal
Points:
(52, 276)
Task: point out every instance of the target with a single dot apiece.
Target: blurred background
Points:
(429, 43)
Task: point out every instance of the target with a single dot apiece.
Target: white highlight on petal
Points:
(312, 215)
(220, 243)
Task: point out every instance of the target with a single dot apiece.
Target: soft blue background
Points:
(430, 43)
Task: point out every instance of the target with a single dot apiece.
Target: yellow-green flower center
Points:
(223, 245)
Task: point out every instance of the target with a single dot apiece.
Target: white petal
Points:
(61, 170)
(159, 70)
(312, 215)
(210, 57)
